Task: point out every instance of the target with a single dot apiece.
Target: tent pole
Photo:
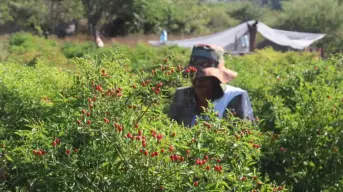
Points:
(252, 29)
(235, 42)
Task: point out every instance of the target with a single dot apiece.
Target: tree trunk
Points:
(96, 36)
(93, 20)
(92, 30)
(90, 24)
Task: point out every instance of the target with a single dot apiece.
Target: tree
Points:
(95, 10)
(247, 11)
(61, 11)
(26, 13)
(38, 14)
(4, 12)
(315, 16)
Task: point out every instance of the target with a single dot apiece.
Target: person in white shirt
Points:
(209, 83)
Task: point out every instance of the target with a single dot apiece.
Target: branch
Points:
(139, 118)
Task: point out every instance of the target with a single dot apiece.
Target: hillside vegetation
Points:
(192, 17)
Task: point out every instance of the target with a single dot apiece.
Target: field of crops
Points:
(77, 118)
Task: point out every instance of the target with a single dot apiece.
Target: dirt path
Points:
(130, 40)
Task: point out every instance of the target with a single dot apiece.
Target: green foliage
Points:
(71, 50)
(314, 16)
(141, 56)
(4, 49)
(5, 13)
(115, 136)
(294, 144)
(28, 50)
(309, 118)
(26, 94)
(299, 100)
(37, 15)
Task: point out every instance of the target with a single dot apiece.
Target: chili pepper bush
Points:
(104, 130)
(102, 125)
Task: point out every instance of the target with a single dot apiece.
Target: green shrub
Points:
(71, 50)
(299, 99)
(296, 97)
(26, 93)
(4, 49)
(115, 138)
(27, 49)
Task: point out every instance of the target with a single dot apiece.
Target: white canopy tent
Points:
(235, 39)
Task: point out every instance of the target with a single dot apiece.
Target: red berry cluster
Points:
(114, 92)
(91, 101)
(168, 71)
(107, 121)
(40, 152)
(157, 88)
(103, 73)
(237, 136)
(245, 132)
(140, 133)
(145, 83)
(171, 148)
(138, 137)
(99, 88)
(282, 149)
(163, 68)
(200, 162)
(132, 106)
(278, 188)
(176, 158)
(68, 151)
(118, 127)
(57, 141)
(129, 135)
(256, 146)
(154, 154)
(242, 133)
(144, 144)
(208, 125)
(218, 168)
(154, 134)
(191, 69)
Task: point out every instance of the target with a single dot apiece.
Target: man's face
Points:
(203, 88)
(201, 63)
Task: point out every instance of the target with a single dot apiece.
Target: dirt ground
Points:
(130, 40)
